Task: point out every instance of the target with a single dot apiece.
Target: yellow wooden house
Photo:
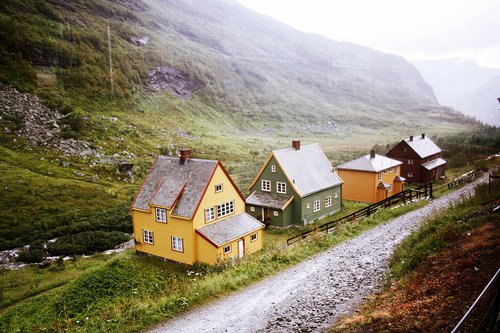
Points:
(189, 210)
(371, 178)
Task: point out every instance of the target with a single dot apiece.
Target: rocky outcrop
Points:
(139, 41)
(165, 78)
(24, 115)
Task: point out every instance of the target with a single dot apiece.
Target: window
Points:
(336, 195)
(266, 185)
(403, 149)
(218, 187)
(328, 201)
(389, 188)
(317, 206)
(410, 161)
(396, 170)
(275, 213)
(209, 214)
(379, 176)
(177, 244)
(386, 171)
(225, 209)
(253, 237)
(252, 208)
(281, 187)
(410, 175)
(390, 170)
(161, 215)
(147, 236)
(273, 168)
(227, 249)
(308, 206)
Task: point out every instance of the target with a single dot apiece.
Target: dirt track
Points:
(311, 295)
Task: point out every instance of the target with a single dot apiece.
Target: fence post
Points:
(368, 210)
(430, 191)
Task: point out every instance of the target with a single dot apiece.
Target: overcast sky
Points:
(424, 29)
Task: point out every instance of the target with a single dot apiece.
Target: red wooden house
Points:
(421, 159)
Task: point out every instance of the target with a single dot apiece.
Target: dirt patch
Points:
(437, 295)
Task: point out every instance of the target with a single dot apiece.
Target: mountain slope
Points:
(464, 85)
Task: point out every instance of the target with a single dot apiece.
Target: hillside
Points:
(465, 86)
(210, 75)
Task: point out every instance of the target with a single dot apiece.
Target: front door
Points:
(241, 248)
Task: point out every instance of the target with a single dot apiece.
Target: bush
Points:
(87, 242)
(32, 255)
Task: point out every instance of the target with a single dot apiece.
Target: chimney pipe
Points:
(423, 135)
(185, 154)
(372, 153)
(411, 137)
(296, 144)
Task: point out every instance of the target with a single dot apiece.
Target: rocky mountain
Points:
(464, 85)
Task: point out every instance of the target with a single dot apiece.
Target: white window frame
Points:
(410, 174)
(227, 249)
(219, 188)
(410, 162)
(328, 201)
(161, 215)
(266, 185)
(273, 168)
(276, 213)
(148, 237)
(253, 237)
(317, 206)
(225, 209)
(177, 244)
(281, 187)
(209, 214)
(252, 208)
(336, 195)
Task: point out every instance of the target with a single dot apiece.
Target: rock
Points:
(125, 167)
(140, 41)
(171, 79)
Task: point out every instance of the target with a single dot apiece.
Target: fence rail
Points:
(463, 178)
(482, 315)
(402, 197)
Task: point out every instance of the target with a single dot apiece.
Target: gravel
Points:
(310, 296)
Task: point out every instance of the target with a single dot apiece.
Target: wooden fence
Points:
(402, 197)
(463, 178)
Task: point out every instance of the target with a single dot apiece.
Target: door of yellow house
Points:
(381, 194)
(241, 248)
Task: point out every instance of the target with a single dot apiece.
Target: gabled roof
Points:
(423, 147)
(229, 229)
(269, 200)
(307, 169)
(179, 186)
(434, 163)
(371, 164)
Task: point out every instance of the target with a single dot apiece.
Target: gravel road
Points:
(310, 296)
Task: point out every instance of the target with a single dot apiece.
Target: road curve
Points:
(310, 296)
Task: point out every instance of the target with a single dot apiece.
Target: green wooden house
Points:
(296, 186)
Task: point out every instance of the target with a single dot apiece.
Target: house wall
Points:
(212, 198)
(308, 215)
(359, 185)
(162, 236)
(286, 218)
(210, 254)
(399, 154)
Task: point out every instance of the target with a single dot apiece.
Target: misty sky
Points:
(424, 29)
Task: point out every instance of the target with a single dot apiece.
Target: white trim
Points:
(227, 249)
(267, 186)
(253, 237)
(177, 244)
(219, 188)
(317, 206)
(273, 168)
(148, 237)
(281, 187)
(161, 215)
(328, 201)
(209, 214)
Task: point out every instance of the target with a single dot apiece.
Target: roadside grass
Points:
(129, 292)
(400, 306)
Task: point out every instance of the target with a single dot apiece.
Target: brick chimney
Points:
(411, 137)
(423, 135)
(296, 144)
(185, 154)
(372, 153)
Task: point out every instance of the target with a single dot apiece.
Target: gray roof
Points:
(383, 185)
(168, 180)
(271, 200)
(367, 163)
(307, 168)
(399, 179)
(434, 163)
(423, 147)
(230, 228)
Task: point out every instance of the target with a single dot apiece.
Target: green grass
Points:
(129, 292)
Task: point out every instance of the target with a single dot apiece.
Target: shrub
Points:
(32, 255)
(87, 242)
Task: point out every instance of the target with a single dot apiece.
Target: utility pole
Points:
(110, 62)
